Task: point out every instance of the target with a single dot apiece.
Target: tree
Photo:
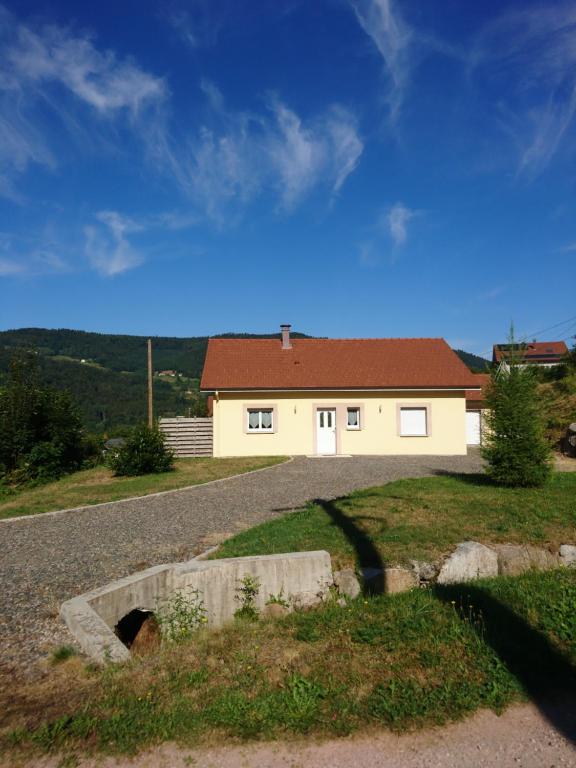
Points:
(40, 429)
(515, 447)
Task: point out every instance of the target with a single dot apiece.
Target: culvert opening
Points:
(138, 628)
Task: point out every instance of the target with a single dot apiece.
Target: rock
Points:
(424, 571)
(275, 610)
(514, 559)
(399, 580)
(470, 560)
(148, 638)
(568, 555)
(347, 583)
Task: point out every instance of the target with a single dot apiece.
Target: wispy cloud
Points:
(531, 53)
(235, 156)
(391, 227)
(395, 42)
(491, 293)
(396, 221)
(199, 29)
(107, 245)
(28, 256)
(48, 67)
(570, 248)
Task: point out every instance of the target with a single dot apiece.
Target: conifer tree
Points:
(514, 444)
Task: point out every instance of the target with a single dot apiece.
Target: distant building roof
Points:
(537, 352)
(262, 364)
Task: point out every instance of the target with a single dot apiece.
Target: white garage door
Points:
(473, 427)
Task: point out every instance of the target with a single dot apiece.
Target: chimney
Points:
(285, 330)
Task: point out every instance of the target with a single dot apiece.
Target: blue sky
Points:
(354, 167)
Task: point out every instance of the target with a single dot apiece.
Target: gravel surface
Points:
(47, 559)
(520, 738)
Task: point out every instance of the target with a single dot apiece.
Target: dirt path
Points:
(520, 738)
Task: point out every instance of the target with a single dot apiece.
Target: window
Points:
(414, 422)
(260, 420)
(353, 418)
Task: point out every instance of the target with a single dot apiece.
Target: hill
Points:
(474, 362)
(106, 373)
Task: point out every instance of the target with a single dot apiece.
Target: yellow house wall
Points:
(295, 419)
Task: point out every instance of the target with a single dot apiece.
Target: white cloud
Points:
(50, 68)
(531, 53)
(570, 248)
(98, 78)
(235, 156)
(395, 42)
(396, 222)
(107, 246)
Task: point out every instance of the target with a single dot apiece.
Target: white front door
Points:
(473, 427)
(326, 431)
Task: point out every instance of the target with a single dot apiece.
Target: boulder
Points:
(399, 580)
(568, 555)
(470, 560)
(424, 571)
(514, 559)
(347, 583)
(275, 610)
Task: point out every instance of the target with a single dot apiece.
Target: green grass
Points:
(93, 486)
(421, 518)
(401, 661)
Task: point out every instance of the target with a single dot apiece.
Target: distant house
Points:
(541, 353)
(294, 396)
(168, 373)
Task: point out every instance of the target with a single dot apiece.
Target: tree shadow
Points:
(367, 553)
(479, 479)
(544, 672)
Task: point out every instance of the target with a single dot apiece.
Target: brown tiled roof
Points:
(333, 364)
(482, 380)
(534, 351)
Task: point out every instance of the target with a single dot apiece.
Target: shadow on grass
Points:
(478, 479)
(546, 675)
(367, 553)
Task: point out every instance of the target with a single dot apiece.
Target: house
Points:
(542, 353)
(336, 396)
(475, 407)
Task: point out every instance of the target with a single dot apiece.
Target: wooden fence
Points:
(188, 437)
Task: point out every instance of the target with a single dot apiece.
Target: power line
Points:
(557, 325)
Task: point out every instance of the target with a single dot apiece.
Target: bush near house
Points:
(143, 453)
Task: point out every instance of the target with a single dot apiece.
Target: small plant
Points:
(143, 453)
(181, 615)
(246, 595)
(62, 653)
(278, 599)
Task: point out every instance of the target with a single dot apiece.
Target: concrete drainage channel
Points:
(104, 621)
(99, 618)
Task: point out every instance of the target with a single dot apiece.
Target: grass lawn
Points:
(399, 661)
(93, 486)
(421, 518)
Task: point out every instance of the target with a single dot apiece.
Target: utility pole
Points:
(150, 407)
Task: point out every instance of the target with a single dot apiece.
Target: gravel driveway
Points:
(47, 559)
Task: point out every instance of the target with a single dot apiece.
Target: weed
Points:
(246, 595)
(181, 615)
(62, 653)
(278, 599)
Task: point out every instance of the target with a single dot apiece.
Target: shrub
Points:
(143, 453)
(515, 447)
